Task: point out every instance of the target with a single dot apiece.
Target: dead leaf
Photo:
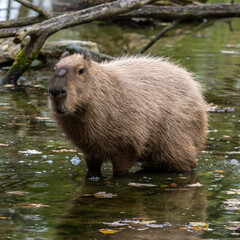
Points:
(3, 145)
(173, 185)
(30, 152)
(104, 195)
(198, 226)
(32, 205)
(155, 225)
(184, 189)
(64, 150)
(20, 193)
(42, 118)
(226, 136)
(212, 108)
(233, 191)
(6, 218)
(195, 185)
(108, 231)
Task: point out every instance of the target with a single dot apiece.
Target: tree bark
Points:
(186, 12)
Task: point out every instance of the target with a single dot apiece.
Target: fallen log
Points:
(224, 10)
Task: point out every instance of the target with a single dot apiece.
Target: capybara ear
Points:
(65, 54)
(87, 56)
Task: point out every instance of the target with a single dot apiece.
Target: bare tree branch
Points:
(36, 8)
(161, 34)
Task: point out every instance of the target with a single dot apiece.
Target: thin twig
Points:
(36, 8)
(162, 33)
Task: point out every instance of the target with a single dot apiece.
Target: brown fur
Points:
(128, 110)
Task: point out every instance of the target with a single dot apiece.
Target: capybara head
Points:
(71, 85)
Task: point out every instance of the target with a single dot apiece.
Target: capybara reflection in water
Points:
(127, 110)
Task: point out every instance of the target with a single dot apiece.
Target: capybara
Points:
(132, 109)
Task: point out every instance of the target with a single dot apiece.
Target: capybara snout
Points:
(129, 109)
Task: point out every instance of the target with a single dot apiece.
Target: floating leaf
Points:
(6, 218)
(116, 224)
(196, 226)
(233, 152)
(155, 225)
(197, 184)
(20, 193)
(30, 152)
(184, 189)
(141, 184)
(230, 52)
(64, 150)
(219, 171)
(32, 205)
(42, 118)
(212, 108)
(183, 177)
(104, 195)
(9, 86)
(219, 176)
(232, 204)
(3, 145)
(233, 191)
(108, 231)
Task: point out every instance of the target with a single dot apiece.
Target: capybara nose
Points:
(57, 93)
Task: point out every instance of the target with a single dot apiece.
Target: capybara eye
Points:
(81, 71)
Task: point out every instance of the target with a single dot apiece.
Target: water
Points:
(43, 190)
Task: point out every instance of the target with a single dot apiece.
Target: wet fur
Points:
(131, 109)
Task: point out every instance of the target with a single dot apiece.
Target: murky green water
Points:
(43, 192)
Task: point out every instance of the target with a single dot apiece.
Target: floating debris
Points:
(232, 204)
(30, 152)
(32, 205)
(108, 231)
(42, 118)
(3, 145)
(139, 224)
(233, 191)
(64, 150)
(20, 193)
(196, 226)
(212, 108)
(104, 195)
(99, 195)
(195, 185)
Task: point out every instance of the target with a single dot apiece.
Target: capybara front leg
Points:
(93, 166)
(121, 166)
